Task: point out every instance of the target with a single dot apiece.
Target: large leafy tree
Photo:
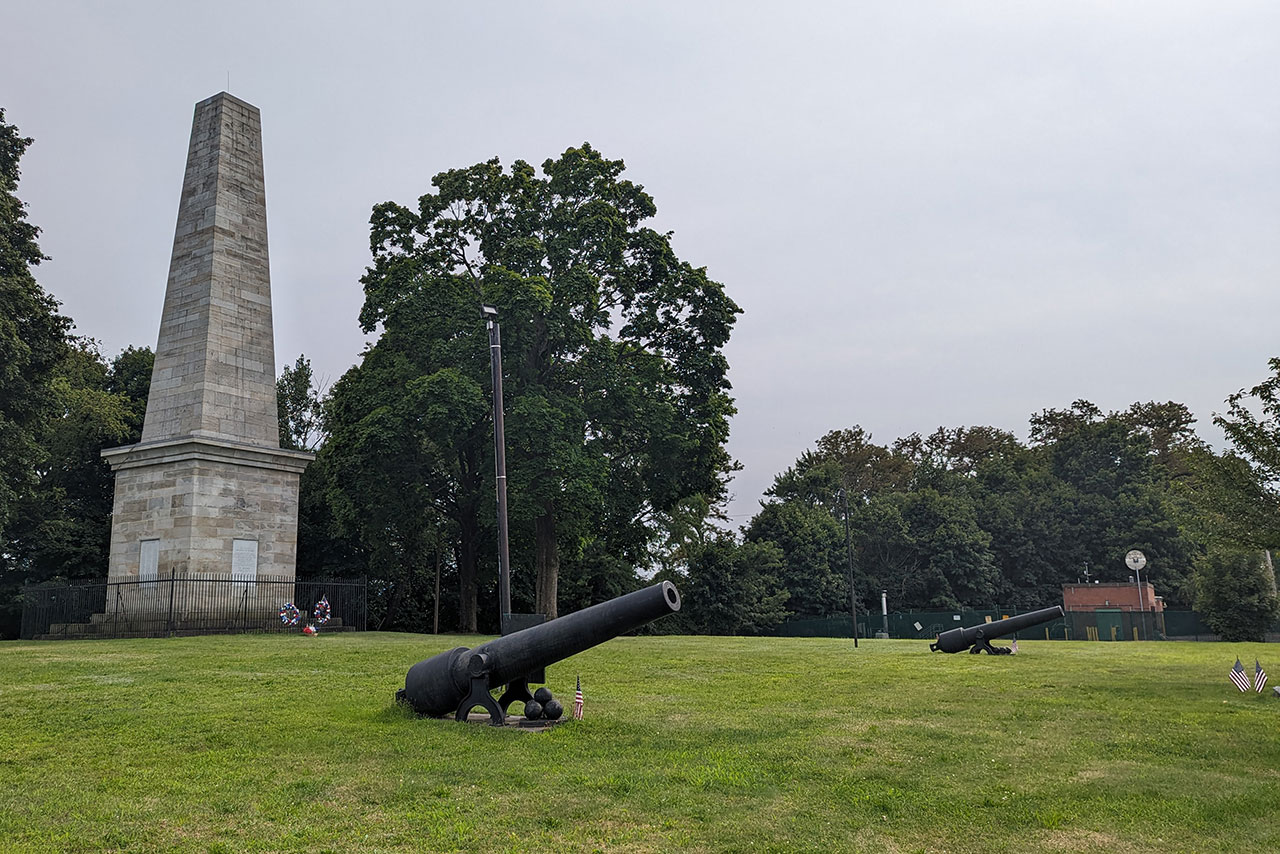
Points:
(33, 342)
(403, 469)
(1237, 594)
(64, 528)
(1238, 492)
(298, 407)
(814, 561)
(33, 337)
(1236, 499)
(1111, 478)
(617, 399)
(732, 588)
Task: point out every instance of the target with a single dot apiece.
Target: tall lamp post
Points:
(500, 463)
(1136, 560)
(848, 546)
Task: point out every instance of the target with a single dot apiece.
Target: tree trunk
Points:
(547, 562)
(467, 530)
(435, 621)
(393, 605)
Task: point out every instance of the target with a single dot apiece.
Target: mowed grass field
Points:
(288, 743)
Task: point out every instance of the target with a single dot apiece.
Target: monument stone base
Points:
(198, 507)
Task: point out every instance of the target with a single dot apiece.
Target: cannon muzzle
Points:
(981, 635)
(459, 679)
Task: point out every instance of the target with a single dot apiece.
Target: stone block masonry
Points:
(208, 492)
(196, 498)
(215, 360)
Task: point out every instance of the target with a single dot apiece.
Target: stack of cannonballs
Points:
(543, 706)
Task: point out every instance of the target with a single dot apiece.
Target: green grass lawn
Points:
(287, 743)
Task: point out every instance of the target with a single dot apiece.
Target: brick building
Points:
(1113, 610)
(1111, 595)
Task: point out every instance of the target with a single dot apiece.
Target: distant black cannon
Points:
(979, 637)
(459, 680)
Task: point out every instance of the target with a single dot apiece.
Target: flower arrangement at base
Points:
(289, 614)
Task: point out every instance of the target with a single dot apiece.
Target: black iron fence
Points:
(191, 606)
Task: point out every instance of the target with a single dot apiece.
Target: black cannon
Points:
(459, 680)
(978, 638)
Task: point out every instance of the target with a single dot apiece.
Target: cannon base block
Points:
(516, 722)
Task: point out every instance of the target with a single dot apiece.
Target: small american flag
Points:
(1259, 677)
(1013, 650)
(1239, 677)
(577, 701)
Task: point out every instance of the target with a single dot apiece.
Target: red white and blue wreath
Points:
(289, 614)
(322, 611)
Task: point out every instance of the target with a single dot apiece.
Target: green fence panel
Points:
(1108, 626)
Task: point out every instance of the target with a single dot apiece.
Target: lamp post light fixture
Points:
(500, 461)
(1136, 560)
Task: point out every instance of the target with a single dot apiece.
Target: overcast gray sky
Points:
(932, 213)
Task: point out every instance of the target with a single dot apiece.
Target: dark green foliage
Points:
(813, 566)
(970, 517)
(33, 338)
(403, 473)
(733, 588)
(62, 527)
(61, 404)
(1237, 594)
(1236, 494)
(33, 341)
(1235, 507)
(298, 407)
(616, 398)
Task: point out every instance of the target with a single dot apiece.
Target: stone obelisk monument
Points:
(208, 492)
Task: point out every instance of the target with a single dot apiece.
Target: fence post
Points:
(171, 583)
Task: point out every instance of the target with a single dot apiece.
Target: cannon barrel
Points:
(437, 685)
(957, 640)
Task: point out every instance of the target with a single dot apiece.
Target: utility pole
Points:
(848, 545)
(500, 463)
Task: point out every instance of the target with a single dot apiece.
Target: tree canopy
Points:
(617, 401)
(33, 335)
(971, 517)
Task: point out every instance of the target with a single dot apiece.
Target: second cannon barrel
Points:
(957, 640)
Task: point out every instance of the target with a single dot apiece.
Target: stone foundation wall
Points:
(196, 498)
(196, 509)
